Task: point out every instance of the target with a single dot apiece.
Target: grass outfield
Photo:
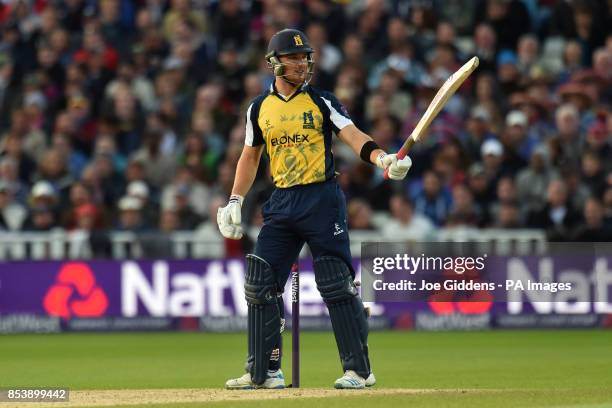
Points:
(445, 369)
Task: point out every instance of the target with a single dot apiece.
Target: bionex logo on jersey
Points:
(75, 293)
(295, 138)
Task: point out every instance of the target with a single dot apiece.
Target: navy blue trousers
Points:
(314, 214)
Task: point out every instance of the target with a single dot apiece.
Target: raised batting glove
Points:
(229, 218)
(397, 168)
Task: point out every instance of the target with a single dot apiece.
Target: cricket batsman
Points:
(295, 123)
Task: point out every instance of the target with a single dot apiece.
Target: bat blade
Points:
(446, 91)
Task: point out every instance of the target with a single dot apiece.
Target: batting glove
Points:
(229, 218)
(397, 169)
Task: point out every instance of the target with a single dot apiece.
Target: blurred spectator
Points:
(76, 161)
(566, 143)
(141, 191)
(101, 175)
(328, 57)
(507, 196)
(113, 28)
(9, 173)
(402, 60)
(399, 101)
(182, 9)
(593, 174)
(141, 87)
(507, 70)
(80, 196)
(329, 14)
(43, 208)
(450, 163)
(557, 216)
(33, 140)
(53, 167)
(594, 229)
(371, 23)
(13, 148)
(508, 217)
(232, 23)
(583, 20)
(477, 131)
(12, 214)
(81, 123)
(577, 190)
(189, 218)
(432, 200)
(168, 221)
(485, 43)
(489, 96)
(464, 212)
(105, 146)
(43, 193)
(572, 59)
(185, 185)
(602, 67)
(85, 240)
(607, 203)
(423, 22)
(493, 160)
(41, 218)
(597, 140)
(199, 158)
(208, 229)
(160, 245)
(479, 184)
(384, 132)
(353, 51)
(130, 215)
(230, 70)
(159, 168)
(406, 225)
(460, 14)
(527, 53)
(509, 19)
(517, 138)
(531, 182)
(127, 116)
(359, 215)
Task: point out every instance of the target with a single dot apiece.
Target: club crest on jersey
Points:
(298, 40)
(308, 120)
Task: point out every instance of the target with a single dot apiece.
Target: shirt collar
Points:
(273, 90)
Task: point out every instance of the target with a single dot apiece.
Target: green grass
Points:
(509, 399)
(527, 368)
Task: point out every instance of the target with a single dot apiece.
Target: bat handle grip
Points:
(401, 153)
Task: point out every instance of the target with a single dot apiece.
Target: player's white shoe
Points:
(275, 380)
(371, 380)
(350, 380)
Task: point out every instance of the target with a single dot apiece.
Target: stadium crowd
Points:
(129, 115)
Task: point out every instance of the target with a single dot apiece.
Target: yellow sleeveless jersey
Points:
(297, 133)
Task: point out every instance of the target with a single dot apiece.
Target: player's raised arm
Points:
(368, 150)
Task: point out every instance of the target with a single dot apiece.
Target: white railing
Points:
(182, 245)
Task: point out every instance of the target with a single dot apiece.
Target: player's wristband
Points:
(235, 198)
(367, 149)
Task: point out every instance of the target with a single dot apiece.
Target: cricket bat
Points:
(445, 92)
